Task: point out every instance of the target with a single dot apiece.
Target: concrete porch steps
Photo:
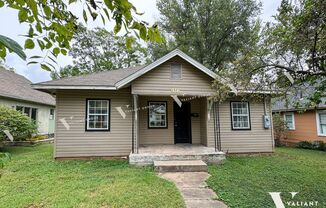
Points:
(180, 166)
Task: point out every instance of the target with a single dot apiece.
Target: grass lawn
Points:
(33, 179)
(246, 181)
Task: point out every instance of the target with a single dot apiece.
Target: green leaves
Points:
(56, 51)
(12, 46)
(53, 26)
(22, 15)
(47, 11)
(29, 44)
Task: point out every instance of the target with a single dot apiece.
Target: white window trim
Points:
(166, 114)
(318, 123)
(107, 120)
(293, 119)
(181, 70)
(248, 116)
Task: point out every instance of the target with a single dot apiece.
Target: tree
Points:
(290, 54)
(211, 31)
(100, 50)
(52, 25)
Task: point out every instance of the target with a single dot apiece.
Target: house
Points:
(114, 113)
(16, 92)
(303, 123)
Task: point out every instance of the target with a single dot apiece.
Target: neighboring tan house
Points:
(116, 112)
(303, 124)
(16, 92)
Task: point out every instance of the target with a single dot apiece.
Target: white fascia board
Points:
(60, 87)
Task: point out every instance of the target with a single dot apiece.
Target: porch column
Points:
(214, 114)
(135, 124)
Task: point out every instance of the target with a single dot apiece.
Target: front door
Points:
(182, 123)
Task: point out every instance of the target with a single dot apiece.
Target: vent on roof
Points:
(175, 71)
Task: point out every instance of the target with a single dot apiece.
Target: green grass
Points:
(246, 181)
(33, 179)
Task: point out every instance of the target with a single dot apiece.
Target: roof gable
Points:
(160, 61)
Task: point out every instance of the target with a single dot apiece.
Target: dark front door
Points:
(182, 123)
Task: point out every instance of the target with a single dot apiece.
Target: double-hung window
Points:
(157, 115)
(97, 115)
(321, 123)
(289, 120)
(240, 116)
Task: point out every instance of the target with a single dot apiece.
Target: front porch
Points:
(147, 154)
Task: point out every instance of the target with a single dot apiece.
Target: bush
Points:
(319, 145)
(279, 129)
(19, 125)
(315, 145)
(304, 145)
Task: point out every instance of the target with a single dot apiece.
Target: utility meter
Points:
(267, 121)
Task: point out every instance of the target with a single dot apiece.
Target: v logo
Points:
(276, 196)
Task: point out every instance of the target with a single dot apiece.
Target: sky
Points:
(12, 28)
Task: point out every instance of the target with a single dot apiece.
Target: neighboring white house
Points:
(16, 92)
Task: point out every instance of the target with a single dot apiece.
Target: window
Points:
(97, 116)
(321, 123)
(34, 114)
(289, 120)
(19, 108)
(157, 115)
(175, 71)
(51, 114)
(27, 111)
(30, 112)
(240, 115)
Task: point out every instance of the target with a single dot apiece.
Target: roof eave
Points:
(74, 87)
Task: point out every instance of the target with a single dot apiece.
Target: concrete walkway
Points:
(194, 189)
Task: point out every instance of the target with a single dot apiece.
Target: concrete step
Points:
(180, 166)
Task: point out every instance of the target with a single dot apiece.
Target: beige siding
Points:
(158, 81)
(44, 124)
(75, 141)
(166, 135)
(257, 139)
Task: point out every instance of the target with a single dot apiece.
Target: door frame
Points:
(189, 129)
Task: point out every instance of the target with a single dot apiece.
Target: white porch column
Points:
(136, 123)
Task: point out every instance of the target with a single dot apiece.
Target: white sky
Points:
(12, 28)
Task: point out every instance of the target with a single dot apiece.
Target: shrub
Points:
(279, 129)
(318, 145)
(315, 145)
(19, 125)
(304, 145)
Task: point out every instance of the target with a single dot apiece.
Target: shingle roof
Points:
(15, 86)
(297, 99)
(105, 78)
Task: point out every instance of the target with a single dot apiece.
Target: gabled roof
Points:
(297, 99)
(116, 79)
(15, 86)
(160, 61)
